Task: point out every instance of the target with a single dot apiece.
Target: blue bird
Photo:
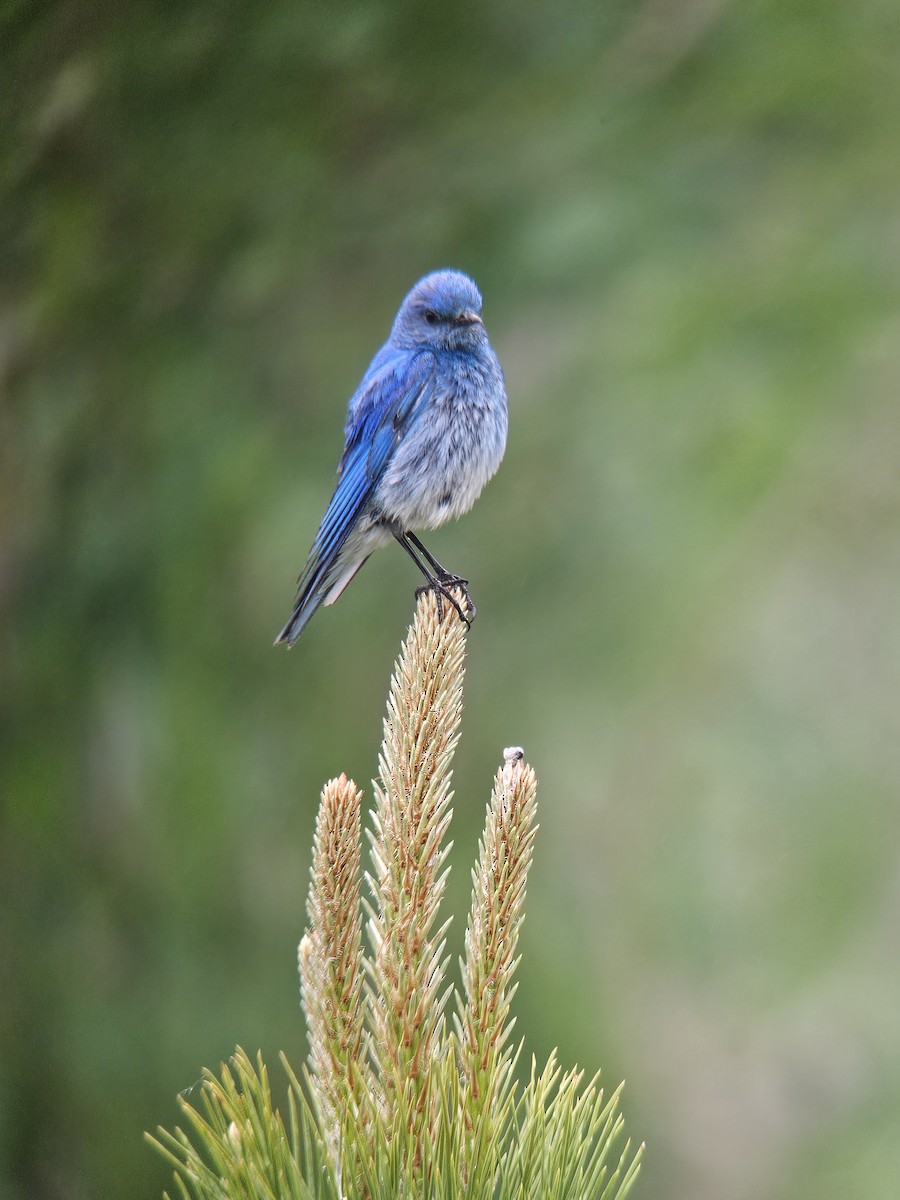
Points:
(425, 431)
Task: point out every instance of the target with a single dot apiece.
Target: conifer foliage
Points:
(401, 1098)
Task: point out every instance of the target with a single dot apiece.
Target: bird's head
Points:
(442, 310)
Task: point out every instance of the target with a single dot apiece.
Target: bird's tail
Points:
(298, 621)
(310, 597)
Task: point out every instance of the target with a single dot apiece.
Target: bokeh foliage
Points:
(684, 220)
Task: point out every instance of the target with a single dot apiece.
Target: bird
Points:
(425, 431)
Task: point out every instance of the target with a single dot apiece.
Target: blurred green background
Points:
(684, 218)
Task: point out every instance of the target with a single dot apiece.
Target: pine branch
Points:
(330, 960)
(412, 812)
(393, 1104)
(483, 1030)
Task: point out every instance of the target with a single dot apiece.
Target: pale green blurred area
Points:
(684, 219)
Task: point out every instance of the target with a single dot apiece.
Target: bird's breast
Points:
(452, 449)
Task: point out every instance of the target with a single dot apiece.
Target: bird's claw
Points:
(441, 587)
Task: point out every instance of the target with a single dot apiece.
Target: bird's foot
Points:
(441, 586)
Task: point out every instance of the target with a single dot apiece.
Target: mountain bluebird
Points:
(425, 431)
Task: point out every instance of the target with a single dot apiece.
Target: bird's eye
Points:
(430, 316)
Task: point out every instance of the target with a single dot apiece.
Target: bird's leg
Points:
(445, 577)
(439, 580)
(442, 574)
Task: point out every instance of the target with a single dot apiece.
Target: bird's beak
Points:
(470, 318)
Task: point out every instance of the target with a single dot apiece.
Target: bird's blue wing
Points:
(385, 405)
(392, 394)
(390, 397)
